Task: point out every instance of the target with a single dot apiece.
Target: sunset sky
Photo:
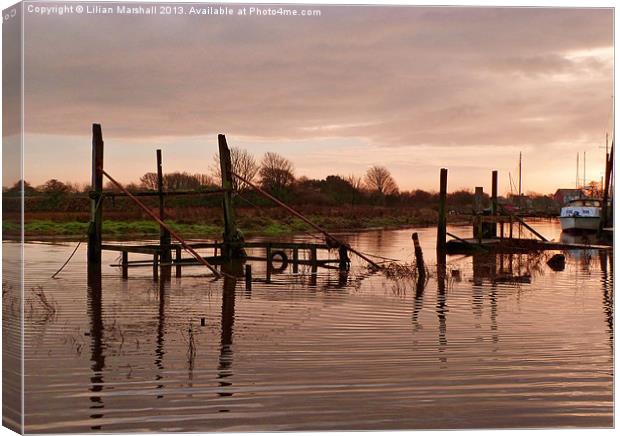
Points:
(411, 88)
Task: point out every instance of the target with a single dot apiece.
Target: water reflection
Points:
(97, 358)
(225, 362)
(518, 352)
(161, 329)
(442, 310)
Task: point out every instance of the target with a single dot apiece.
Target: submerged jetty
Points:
(226, 257)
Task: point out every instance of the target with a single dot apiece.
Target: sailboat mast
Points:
(577, 177)
(520, 177)
(584, 169)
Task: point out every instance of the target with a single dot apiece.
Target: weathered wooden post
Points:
(269, 265)
(248, 277)
(125, 264)
(442, 221)
(313, 261)
(155, 267)
(478, 195)
(177, 261)
(343, 258)
(164, 235)
(295, 260)
(233, 239)
(96, 198)
(494, 203)
(419, 257)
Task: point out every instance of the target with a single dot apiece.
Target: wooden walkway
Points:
(514, 245)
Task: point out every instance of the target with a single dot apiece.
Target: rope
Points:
(67, 261)
(99, 201)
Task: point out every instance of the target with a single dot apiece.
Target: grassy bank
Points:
(212, 227)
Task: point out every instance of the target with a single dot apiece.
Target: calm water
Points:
(503, 342)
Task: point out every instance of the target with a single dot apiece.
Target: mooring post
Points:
(177, 261)
(441, 223)
(478, 196)
(494, 202)
(248, 277)
(313, 260)
(268, 258)
(295, 260)
(164, 235)
(233, 240)
(96, 198)
(419, 257)
(125, 264)
(343, 258)
(155, 266)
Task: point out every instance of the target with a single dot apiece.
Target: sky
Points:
(411, 88)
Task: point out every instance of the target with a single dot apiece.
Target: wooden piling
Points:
(177, 261)
(442, 220)
(494, 180)
(295, 260)
(231, 248)
(125, 264)
(419, 257)
(343, 258)
(155, 266)
(96, 199)
(313, 260)
(164, 235)
(248, 277)
(269, 265)
(478, 227)
(478, 196)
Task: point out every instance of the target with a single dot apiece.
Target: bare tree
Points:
(356, 186)
(243, 163)
(276, 172)
(379, 179)
(149, 181)
(176, 181)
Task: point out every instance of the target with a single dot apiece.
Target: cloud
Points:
(417, 78)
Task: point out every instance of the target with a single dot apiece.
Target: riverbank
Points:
(211, 226)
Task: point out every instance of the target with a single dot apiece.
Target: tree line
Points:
(276, 174)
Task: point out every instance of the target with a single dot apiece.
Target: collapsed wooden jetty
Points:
(233, 247)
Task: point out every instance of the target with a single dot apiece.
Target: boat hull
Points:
(577, 224)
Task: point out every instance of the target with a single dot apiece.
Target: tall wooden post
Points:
(478, 208)
(96, 199)
(442, 221)
(494, 202)
(164, 235)
(231, 248)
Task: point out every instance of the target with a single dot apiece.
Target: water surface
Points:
(503, 341)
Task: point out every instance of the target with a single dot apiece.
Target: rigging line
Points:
(308, 232)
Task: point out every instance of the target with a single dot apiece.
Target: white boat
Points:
(582, 214)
